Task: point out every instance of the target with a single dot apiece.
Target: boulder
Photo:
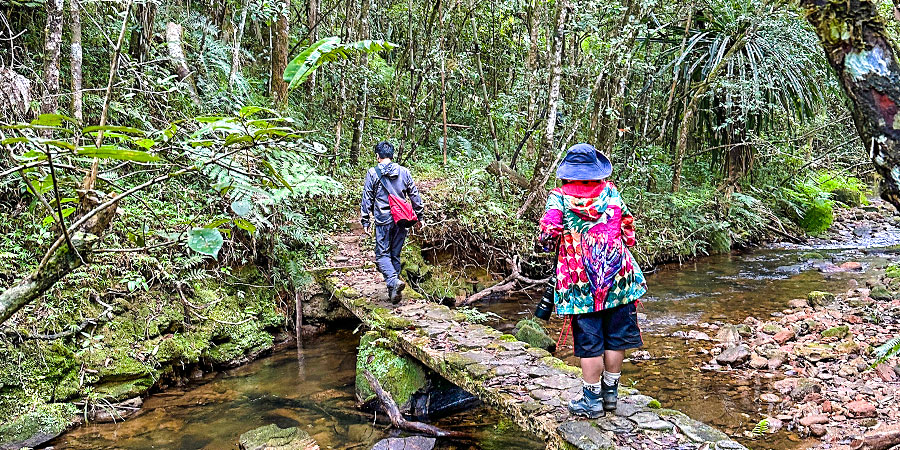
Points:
(734, 356)
(783, 336)
(815, 352)
(814, 419)
(271, 437)
(758, 362)
(772, 328)
(532, 333)
(401, 376)
(410, 443)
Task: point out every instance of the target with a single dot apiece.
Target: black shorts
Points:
(609, 329)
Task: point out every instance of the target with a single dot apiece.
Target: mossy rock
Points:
(413, 265)
(272, 437)
(847, 196)
(819, 298)
(532, 333)
(881, 292)
(399, 375)
(839, 331)
(121, 390)
(35, 427)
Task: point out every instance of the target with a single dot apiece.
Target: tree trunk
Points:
(236, 52)
(866, 64)
(546, 152)
(280, 57)
(312, 19)
(484, 93)
(683, 131)
(142, 34)
(52, 49)
(531, 67)
(361, 109)
(179, 62)
(15, 95)
(76, 60)
(61, 261)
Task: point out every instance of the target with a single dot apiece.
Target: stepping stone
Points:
(513, 345)
(514, 361)
(558, 382)
(477, 356)
(657, 425)
(410, 443)
(697, 431)
(616, 424)
(478, 370)
(729, 445)
(538, 371)
(584, 435)
(640, 400)
(644, 417)
(544, 394)
(627, 409)
(505, 370)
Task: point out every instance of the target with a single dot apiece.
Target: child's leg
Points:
(592, 368)
(612, 359)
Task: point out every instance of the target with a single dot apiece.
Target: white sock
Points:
(610, 378)
(595, 387)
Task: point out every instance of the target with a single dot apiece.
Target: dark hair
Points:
(384, 149)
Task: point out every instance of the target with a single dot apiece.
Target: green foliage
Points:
(206, 241)
(887, 351)
(761, 428)
(473, 315)
(328, 50)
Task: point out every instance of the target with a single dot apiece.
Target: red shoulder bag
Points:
(401, 211)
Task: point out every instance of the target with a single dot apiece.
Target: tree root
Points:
(508, 284)
(397, 419)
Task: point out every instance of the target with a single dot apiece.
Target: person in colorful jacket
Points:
(597, 279)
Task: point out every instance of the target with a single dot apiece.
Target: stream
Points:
(313, 387)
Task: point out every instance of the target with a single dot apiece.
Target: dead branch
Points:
(508, 284)
(397, 419)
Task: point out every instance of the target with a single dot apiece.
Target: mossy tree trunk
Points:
(857, 47)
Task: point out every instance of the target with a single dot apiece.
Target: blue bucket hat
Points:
(584, 163)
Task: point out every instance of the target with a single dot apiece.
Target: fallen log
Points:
(500, 169)
(880, 440)
(508, 283)
(397, 419)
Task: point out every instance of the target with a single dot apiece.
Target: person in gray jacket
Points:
(389, 237)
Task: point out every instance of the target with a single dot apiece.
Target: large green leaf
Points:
(116, 152)
(52, 120)
(327, 50)
(206, 241)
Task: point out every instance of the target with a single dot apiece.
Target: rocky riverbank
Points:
(823, 361)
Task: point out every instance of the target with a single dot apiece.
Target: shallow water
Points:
(723, 288)
(314, 388)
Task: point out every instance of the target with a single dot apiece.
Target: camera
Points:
(546, 304)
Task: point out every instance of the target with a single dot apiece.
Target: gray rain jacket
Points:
(401, 183)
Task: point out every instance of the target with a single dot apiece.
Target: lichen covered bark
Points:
(857, 47)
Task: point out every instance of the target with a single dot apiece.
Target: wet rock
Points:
(862, 231)
(804, 387)
(559, 382)
(410, 443)
(772, 328)
(839, 331)
(698, 335)
(729, 334)
(819, 298)
(733, 356)
(814, 419)
(695, 430)
(770, 398)
(852, 266)
(729, 445)
(585, 436)
(774, 363)
(861, 408)
(271, 437)
(627, 409)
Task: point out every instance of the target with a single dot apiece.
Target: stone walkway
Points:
(527, 384)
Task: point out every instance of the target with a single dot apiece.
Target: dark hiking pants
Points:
(389, 241)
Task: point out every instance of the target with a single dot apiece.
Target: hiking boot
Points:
(392, 293)
(610, 395)
(590, 405)
(397, 293)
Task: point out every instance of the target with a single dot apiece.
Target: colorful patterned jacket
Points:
(594, 269)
